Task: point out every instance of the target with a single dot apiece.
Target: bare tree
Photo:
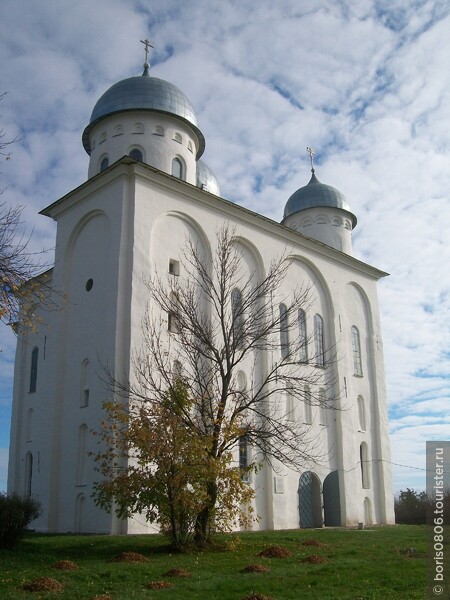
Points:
(23, 284)
(211, 326)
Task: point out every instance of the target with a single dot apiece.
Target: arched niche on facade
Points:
(87, 252)
(304, 277)
(251, 259)
(170, 237)
(359, 318)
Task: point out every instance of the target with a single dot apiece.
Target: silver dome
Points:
(314, 195)
(144, 93)
(206, 178)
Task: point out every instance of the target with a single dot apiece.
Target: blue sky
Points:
(365, 82)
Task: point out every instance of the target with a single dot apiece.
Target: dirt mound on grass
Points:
(255, 569)
(257, 596)
(158, 585)
(314, 543)
(315, 559)
(102, 597)
(43, 584)
(275, 552)
(65, 565)
(177, 573)
(130, 557)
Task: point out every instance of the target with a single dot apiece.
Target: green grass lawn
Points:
(360, 565)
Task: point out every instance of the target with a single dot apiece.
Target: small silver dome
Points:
(144, 93)
(206, 178)
(314, 195)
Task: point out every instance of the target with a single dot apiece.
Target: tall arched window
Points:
(84, 399)
(364, 460)
(284, 331)
(302, 336)
(290, 405)
(323, 408)
(136, 154)
(356, 348)
(361, 414)
(177, 370)
(173, 314)
(308, 407)
(104, 163)
(34, 369)
(237, 315)
(178, 168)
(319, 341)
(28, 473)
(243, 456)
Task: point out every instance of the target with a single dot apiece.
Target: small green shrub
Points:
(16, 513)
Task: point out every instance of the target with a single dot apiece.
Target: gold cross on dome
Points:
(147, 45)
(312, 154)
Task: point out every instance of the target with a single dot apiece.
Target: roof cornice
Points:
(126, 166)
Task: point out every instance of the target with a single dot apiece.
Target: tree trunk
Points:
(203, 522)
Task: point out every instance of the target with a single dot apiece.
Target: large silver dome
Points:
(144, 93)
(316, 194)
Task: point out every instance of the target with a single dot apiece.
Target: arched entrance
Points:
(331, 500)
(310, 500)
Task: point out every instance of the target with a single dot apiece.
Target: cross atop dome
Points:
(312, 154)
(147, 45)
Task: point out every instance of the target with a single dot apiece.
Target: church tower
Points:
(152, 121)
(320, 211)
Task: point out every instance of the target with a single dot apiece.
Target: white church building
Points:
(147, 191)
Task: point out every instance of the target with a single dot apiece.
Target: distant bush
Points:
(16, 513)
(411, 507)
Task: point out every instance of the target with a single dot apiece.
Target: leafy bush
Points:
(411, 507)
(16, 513)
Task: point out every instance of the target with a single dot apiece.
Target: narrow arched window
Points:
(356, 348)
(28, 473)
(364, 461)
(284, 331)
(173, 315)
(34, 369)
(290, 405)
(243, 456)
(318, 341)
(177, 370)
(104, 163)
(177, 168)
(136, 154)
(323, 408)
(84, 398)
(237, 315)
(302, 336)
(361, 414)
(308, 418)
